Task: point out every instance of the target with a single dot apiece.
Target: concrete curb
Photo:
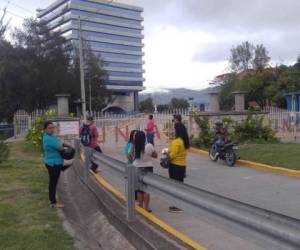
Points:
(255, 165)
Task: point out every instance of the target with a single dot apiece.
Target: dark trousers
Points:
(94, 165)
(150, 138)
(177, 172)
(54, 173)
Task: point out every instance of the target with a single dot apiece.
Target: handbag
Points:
(165, 162)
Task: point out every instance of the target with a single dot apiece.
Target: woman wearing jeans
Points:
(53, 161)
(178, 157)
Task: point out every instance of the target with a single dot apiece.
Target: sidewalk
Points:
(266, 190)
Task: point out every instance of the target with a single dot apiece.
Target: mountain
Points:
(164, 96)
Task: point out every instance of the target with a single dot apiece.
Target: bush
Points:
(204, 139)
(35, 134)
(4, 151)
(253, 129)
(168, 129)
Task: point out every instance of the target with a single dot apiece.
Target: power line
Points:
(14, 14)
(20, 7)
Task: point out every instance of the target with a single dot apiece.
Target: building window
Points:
(112, 46)
(124, 65)
(106, 7)
(110, 18)
(110, 27)
(124, 83)
(125, 74)
(109, 36)
(116, 55)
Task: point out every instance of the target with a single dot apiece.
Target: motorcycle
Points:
(227, 152)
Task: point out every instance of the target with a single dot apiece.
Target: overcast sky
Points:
(187, 42)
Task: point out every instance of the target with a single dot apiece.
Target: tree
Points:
(248, 56)
(241, 57)
(225, 85)
(179, 103)
(95, 77)
(3, 25)
(39, 65)
(147, 105)
(49, 58)
(260, 87)
(163, 107)
(261, 57)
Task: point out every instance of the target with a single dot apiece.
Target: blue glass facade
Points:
(113, 31)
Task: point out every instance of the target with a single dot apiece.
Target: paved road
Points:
(266, 190)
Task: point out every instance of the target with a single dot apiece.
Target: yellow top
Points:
(178, 153)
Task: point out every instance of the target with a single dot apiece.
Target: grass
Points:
(5, 134)
(286, 155)
(26, 220)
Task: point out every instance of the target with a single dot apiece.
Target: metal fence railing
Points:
(280, 227)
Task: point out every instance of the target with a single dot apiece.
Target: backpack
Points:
(86, 135)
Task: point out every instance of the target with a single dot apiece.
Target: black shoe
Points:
(175, 210)
(95, 170)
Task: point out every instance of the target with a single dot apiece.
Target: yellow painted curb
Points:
(184, 238)
(273, 169)
(256, 165)
(198, 151)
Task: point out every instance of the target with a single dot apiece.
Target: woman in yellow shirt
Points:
(178, 153)
(178, 156)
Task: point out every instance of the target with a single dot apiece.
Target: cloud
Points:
(188, 41)
(214, 26)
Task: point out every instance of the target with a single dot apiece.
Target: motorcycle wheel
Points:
(212, 153)
(230, 158)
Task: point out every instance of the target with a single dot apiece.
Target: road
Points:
(262, 189)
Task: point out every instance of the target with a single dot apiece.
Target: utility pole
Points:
(83, 99)
(90, 91)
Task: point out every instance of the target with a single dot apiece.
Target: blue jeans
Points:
(150, 138)
(94, 165)
(219, 144)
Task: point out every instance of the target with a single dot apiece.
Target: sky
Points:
(188, 42)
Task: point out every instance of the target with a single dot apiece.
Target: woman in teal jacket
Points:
(53, 160)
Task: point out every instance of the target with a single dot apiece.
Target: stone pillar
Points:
(63, 104)
(239, 104)
(214, 104)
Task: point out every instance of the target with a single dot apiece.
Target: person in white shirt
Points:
(144, 154)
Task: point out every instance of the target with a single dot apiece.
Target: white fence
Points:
(24, 120)
(285, 124)
(111, 123)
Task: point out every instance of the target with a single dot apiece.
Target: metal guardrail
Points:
(278, 226)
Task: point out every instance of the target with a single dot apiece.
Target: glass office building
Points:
(113, 31)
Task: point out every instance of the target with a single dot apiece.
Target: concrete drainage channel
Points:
(280, 228)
